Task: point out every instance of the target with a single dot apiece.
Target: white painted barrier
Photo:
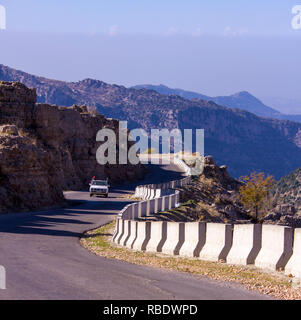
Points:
(195, 237)
(143, 235)
(132, 211)
(133, 236)
(158, 235)
(152, 206)
(121, 232)
(143, 208)
(152, 191)
(246, 244)
(117, 229)
(174, 238)
(293, 266)
(126, 232)
(277, 247)
(218, 242)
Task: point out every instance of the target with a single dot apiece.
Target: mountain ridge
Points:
(240, 139)
(241, 100)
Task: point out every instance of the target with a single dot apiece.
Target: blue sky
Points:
(151, 17)
(214, 47)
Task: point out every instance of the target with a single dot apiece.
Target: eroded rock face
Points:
(47, 149)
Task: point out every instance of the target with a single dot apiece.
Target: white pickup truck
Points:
(99, 188)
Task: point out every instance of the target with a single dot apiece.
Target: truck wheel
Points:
(91, 195)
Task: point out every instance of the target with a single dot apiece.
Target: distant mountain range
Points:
(241, 100)
(237, 138)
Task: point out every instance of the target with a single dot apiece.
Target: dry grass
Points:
(271, 283)
(130, 196)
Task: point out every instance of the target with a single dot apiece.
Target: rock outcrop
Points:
(214, 196)
(45, 149)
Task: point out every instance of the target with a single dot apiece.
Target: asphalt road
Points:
(44, 260)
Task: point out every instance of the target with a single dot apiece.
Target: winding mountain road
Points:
(44, 259)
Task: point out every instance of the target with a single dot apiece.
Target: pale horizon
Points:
(212, 48)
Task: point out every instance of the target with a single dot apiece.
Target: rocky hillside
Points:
(242, 140)
(287, 201)
(46, 149)
(288, 189)
(214, 197)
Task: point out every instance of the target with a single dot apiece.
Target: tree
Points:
(255, 191)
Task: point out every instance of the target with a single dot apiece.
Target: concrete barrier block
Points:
(156, 206)
(121, 232)
(293, 266)
(177, 198)
(169, 202)
(138, 192)
(139, 209)
(174, 239)
(147, 214)
(152, 193)
(143, 235)
(173, 201)
(163, 203)
(133, 236)
(218, 242)
(126, 233)
(152, 204)
(117, 229)
(276, 248)
(158, 193)
(143, 208)
(195, 237)
(145, 193)
(246, 244)
(134, 211)
(158, 236)
(126, 212)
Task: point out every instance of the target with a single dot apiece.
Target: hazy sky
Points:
(213, 47)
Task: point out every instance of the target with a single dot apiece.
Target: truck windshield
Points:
(99, 183)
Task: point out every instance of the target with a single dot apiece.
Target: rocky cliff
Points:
(45, 149)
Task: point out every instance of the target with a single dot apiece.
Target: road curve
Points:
(44, 260)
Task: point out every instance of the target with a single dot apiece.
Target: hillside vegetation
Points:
(288, 189)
